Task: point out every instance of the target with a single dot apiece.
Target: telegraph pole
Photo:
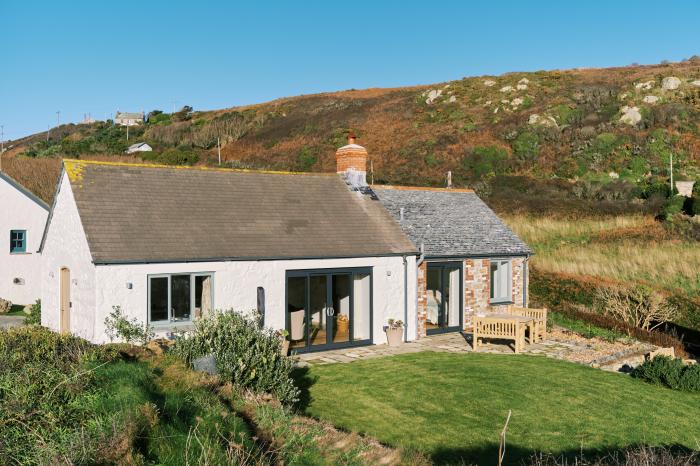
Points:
(127, 131)
(671, 167)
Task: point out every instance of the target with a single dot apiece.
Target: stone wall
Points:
(476, 288)
(422, 304)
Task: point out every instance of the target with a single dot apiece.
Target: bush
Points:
(636, 305)
(674, 205)
(34, 317)
(173, 157)
(46, 386)
(131, 331)
(670, 372)
(246, 355)
(526, 146)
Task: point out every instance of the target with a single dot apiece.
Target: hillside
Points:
(612, 130)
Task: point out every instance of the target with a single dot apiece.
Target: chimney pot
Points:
(351, 137)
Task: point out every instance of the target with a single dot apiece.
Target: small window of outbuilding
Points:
(18, 241)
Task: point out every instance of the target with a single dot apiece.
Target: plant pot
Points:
(394, 336)
(284, 346)
(342, 326)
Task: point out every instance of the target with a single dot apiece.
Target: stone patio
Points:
(560, 344)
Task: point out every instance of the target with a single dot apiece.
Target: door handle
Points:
(330, 312)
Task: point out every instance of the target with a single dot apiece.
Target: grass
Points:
(170, 413)
(452, 407)
(584, 328)
(16, 310)
(629, 248)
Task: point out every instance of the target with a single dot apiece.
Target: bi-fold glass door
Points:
(327, 309)
(444, 289)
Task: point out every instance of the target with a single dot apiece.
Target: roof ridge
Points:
(422, 188)
(76, 166)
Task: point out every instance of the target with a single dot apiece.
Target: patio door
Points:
(444, 289)
(328, 309)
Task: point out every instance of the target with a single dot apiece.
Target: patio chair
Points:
(540, 317)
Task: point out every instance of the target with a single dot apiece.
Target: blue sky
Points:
(96, 57)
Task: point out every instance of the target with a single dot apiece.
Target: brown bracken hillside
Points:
(610, 130)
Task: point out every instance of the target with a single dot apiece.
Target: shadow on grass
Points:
(515, 455)
(304, 381)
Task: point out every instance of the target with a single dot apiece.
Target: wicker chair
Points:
(540, 317)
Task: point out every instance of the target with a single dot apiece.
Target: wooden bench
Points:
(538, 315)
(502, 327)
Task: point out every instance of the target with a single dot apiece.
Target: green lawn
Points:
(453, 406)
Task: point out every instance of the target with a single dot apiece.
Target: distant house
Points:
(324, 256)
(22, 220)
(129, 118)
(139, 147)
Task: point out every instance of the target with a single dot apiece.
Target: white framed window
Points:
(501, 279)
(179, 297)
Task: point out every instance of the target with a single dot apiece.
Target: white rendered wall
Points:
(66, 246)
(235, 287)
(19, 212)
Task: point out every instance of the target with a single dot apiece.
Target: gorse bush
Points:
(246, 355)
(44, 379)
(34, 318)
(671, 372)
(131, 331)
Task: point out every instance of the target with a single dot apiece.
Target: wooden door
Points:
(65, 300)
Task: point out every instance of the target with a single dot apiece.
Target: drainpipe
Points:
(405, 299)
(526, 269)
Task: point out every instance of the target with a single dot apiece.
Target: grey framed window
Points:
(18, 241)
(180, 297)
(501, 279)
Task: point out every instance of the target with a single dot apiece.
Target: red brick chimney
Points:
(351, 157)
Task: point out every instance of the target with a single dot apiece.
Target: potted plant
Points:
(394, 332)
(342, 324)
(284, 341)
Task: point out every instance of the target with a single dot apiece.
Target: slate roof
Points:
(140, 213)
(130, 115)
(450, 222)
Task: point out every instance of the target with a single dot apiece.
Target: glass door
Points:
(444, 290)
(328, 309)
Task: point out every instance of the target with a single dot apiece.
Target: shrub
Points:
(674, 205)
(46, 385)
(526, 146)
(246, 355)
(670, 372)
(5, 306)
(306, 159)
(131, 331)
(173, 157)
(34, 317)
(484, 161)
(636, 305)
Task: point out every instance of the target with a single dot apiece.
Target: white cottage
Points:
(22, 219)
(324, 256)
(317, 256)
